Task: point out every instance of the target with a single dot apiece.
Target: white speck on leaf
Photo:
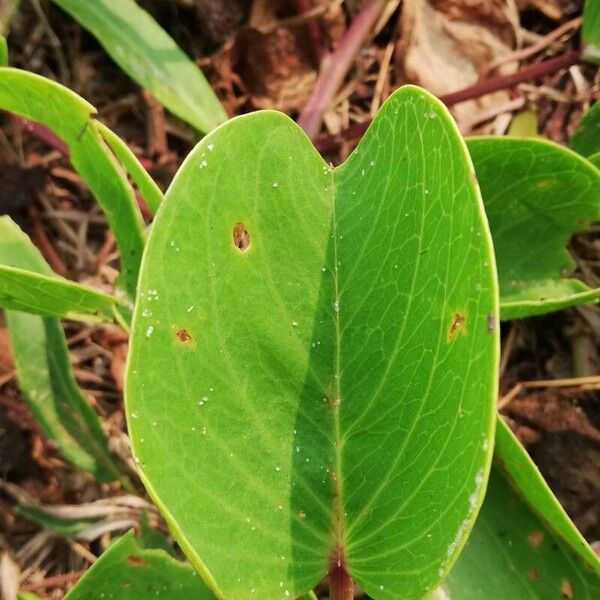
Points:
(149, 331)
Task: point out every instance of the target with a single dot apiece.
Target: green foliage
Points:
(313, 355)
(69, 117)
(586, 138)
(44, 371)
(51, 295)
(525, 477)
(537, 195)
(512, 553)
(3, 52)
(146, 185)
(147, 53)
(590, 31)
(128, 572)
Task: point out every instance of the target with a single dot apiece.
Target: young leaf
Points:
(3, 52)
(512, 553)
(537, 195)
(526, 478)
(590, 31)
(146, 185)
(148, 54)
(69, 116)
(313, 358)
(44, 371)
(51, 295)
(586, 138)
(128, 572)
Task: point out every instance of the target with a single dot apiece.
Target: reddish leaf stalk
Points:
(341, 585)
(331, 142)
(336, 66)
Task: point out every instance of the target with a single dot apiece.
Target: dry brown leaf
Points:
(276, 68)
(446, 44)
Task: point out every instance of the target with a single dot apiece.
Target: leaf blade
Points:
(53, 297)
(537, 195)
(45, 375)
(68, 115)
(150, 56)
(263, 408)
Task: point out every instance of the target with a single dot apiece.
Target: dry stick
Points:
(331, 142)
(592, 382)
(52, 582)
(540, 45)
(337, 65)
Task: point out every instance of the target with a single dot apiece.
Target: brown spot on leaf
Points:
(491, 323)
(241, 237)
(533, 574)
(183, 336)
(456, 325)
(542, 183)
(136, 561)
(535, 538)
(565, 588)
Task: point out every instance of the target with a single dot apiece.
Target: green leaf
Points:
(69, 117)
(128, 572)
(152, 538)
(150, 192)
(595, 159)
(313, 358)
(512, 553)
(526, 478)
(148, 54)
(586, 138)
(524, 124)
(64, 526)
(52, 296)
(45, 375)
(537, 195)
(3, 52)
(590, 31)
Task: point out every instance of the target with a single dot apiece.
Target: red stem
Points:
(328, 143)
(336, 66)
(341, 586)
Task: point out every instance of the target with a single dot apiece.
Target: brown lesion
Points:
(241, 237)
(457, 324)
(136, 561)
(184, 336)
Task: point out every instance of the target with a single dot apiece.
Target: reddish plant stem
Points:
(42, 132)
(341, 585)
(52, 582)
(328, 143)
(313, 31)
(337, 65)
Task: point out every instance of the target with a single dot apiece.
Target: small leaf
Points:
(128, 572)
(595, 159)
(146, 185)
(3, 52)
(590, 31)
(537, 195)
(68, 527)
(45, 375)
(314, 353)
(586, 138)
(68, 115)
(512, 553)
(52, 296)
(524, 125)
(148, 54)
